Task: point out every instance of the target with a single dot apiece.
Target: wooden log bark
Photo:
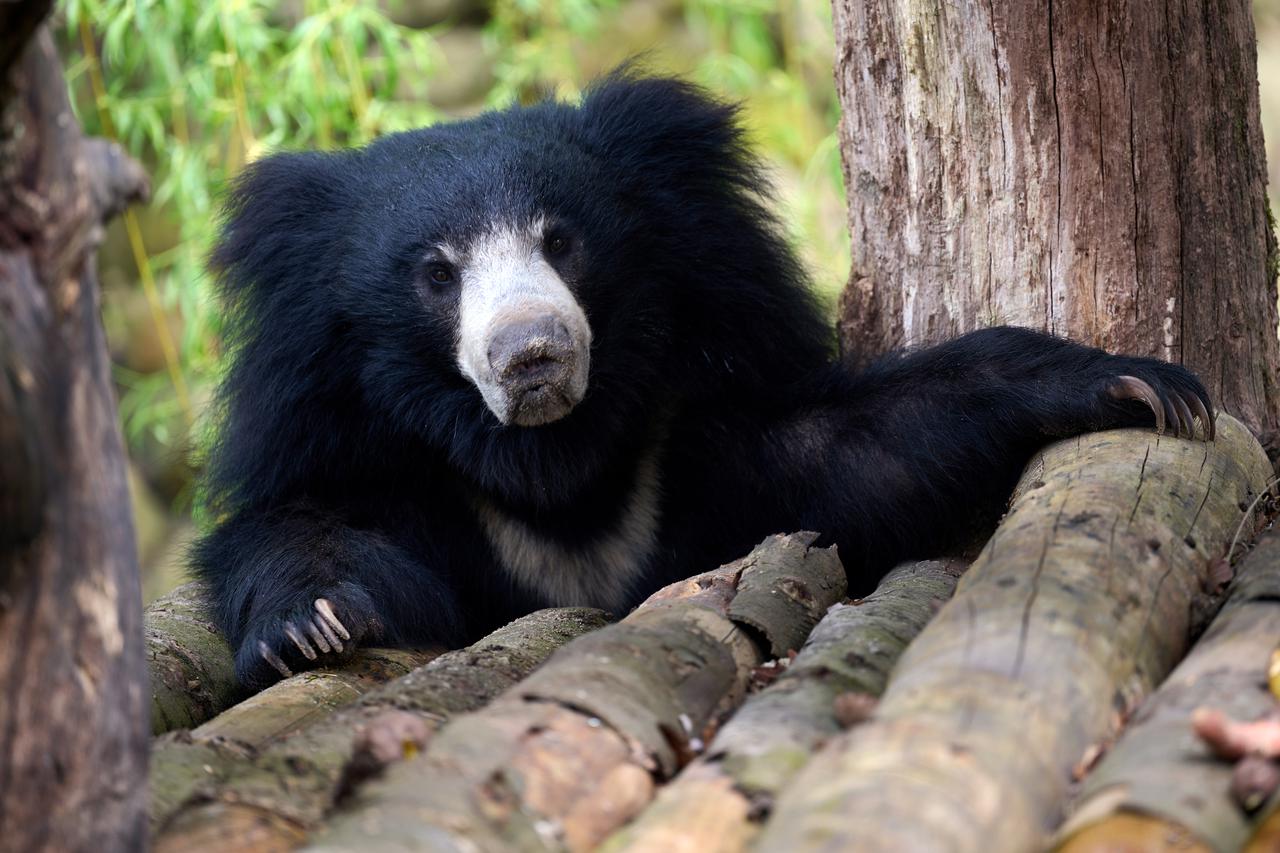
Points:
(73, 712)
(191, 667)
(572, 752)
(1082, 600)
(1267, 837)
(192, 672)
(273, 796)
(187, 763)
(1160, 780)
(716, 804)
(1095, 170)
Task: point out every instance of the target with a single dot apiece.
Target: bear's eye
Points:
(557, 244)
(440, 274)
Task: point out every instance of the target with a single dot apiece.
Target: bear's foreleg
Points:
(914, 456)
(1013, 379)
(296, 588)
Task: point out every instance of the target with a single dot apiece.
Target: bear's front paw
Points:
(1173, 394)
(321, 631)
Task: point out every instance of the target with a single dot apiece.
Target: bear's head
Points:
(527, 290)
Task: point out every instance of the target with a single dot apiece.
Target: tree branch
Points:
(718, 802)
(1159, 777)
(116, 180)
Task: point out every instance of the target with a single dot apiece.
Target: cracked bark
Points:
(192, 675)
(190, 666)
(572, 752)
(992, 714)
(717, 803)
(1160, 781)
(217, 789)
(1088, 168)
(73, 715)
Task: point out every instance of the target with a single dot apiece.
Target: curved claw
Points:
(325, 609)
(317, 637)
(1206, 419)
(299, 641)
(274, 659)
(1186, 426)
(1133, 388)
(328, 632)
(1171, 416)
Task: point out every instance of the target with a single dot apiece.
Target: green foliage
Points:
(197, 89)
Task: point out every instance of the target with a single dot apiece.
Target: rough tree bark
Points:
(190, 666)
(1095, 169)
(73, 710)
(186, 763)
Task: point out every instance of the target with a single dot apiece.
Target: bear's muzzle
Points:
(539, 368)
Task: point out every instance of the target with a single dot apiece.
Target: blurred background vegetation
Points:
(197, 89)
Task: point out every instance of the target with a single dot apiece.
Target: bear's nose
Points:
(530, 351)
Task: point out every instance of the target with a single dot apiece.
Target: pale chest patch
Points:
(599, 573)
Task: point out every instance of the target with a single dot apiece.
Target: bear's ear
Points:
(666, 130)
(284, 222)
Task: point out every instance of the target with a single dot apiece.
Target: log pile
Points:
(1082, 601)
(271, 792)
(1161, 779)
(1059, 698)
(715, 803)
(574, 751)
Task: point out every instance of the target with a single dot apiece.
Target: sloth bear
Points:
(562, 355)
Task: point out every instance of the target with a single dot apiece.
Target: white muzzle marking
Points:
(523, 339)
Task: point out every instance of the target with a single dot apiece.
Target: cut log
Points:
(1083, 599)
(191, 666)
(186, 762)
(193, 677)
(715, 805)
(1160, 778)
(271, 797)
(571, 753)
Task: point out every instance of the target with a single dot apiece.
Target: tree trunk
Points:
(73, 709)
(1093, 169)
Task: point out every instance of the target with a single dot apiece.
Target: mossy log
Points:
(271, 798)
(191, 667)
(185, 763)
(572, 753)
(716, 803)
(193, 679)
(1160, 779)
(1084, 598)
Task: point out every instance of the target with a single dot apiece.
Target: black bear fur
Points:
(351, 455)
